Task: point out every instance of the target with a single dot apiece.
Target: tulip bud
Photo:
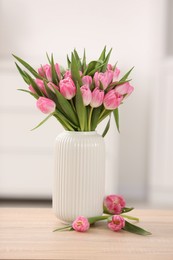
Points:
(112, 100)
(67, 74)
(41, 85)
(81, 224)
(57, 69)
(86, 95)
(124, 89)
(45, 105)
(87, 80)
(114, 204)
(45, 72)
(51, 85)
(67, 88)
(97, 97)
(116, 223)
(105, 78)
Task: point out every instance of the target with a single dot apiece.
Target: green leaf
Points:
(80, 108)
(55, 79)
(106, 61)
(104, 114)
(91, 66)
(84, 62)
(49, 92)
(116, 117)
(78, 60)
(95, 117)
(28, 67)
(27, 91)
(75, 71)
(103, 54)
(34, 85)
(68, 125)
(48, 58)
(118, 83)
(124, 210)
(62, 228)
(97, 68)
(124, 78)
(92, 220)
(130, 217)
(135, 229)
(107, 126)
(22, 74)
(66, 107)
(42, 122)
(68, 62)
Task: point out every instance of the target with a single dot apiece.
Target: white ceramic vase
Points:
(79, 177)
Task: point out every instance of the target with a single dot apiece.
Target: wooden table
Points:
(26, 233)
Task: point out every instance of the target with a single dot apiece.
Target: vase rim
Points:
(81, 132)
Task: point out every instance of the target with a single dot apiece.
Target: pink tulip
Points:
(86, 94)
(124, 89)
(114, 204)
(45, 71)
(112, 100)
(105, 78)
(46, 105)
(116, 72)
(87, 80)
(116, 223)
(51, 85)
(32, 89)
(41, 85)
(67, 88)
(57, 69)
(67, 74)
(81, 224)
(97, 97)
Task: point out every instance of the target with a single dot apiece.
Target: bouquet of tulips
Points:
(81, 96)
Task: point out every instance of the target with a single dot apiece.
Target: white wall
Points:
(135, 30)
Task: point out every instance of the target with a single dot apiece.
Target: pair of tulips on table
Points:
(114, 207)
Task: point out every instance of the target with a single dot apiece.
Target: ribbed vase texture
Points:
(79, 177)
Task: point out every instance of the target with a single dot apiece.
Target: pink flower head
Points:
(86, 95)
(112, 100)
(105, 78)
(67, 88)
(57, 69)
(97, 97)
(81, 224)
(32, 89)
(109, 67)
(87, 80)
(51, 85)
(124, 89)
(116, 72)
(67, 74)
(45, 72)
(46, 105)
(114, 204)
(41, 85)
(117, 223)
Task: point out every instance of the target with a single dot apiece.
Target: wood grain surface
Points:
(26, 233)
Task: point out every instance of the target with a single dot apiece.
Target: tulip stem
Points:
(72, 104)
(129, 217)
(102, 113)
(89, 119)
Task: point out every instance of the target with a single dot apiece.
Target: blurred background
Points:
(140, 159)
